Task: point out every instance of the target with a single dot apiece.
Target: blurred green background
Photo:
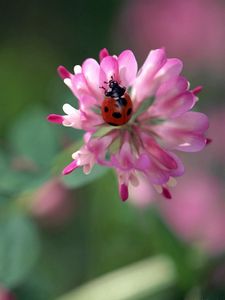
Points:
(58, 234)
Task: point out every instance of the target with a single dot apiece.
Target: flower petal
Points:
(79, 86)
(192, 121)
(124, 160)
(166, 193)
(108, 69)
(170, 69)
(103, 53)
(142, 87)
(143, 162)
(55, 118)
(124, 192)
(63, 72)
(185, 133)
(179, 171)
(68, 169)
(173, 97)
(156, 152)
(173, 107)
(91, 70)
(156, 174)
(77, 69)
(151, 169)
(73, 117)
(172, 88)
(154, 61)
(127, 67)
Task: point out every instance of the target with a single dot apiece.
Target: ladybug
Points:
(117, 105)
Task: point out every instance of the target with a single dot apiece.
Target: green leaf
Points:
(3, 162)
(19, 249)
(14, 182)
(32, 137)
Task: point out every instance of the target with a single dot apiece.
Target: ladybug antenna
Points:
(102, 87)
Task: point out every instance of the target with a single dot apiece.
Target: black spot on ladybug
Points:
(117, 115)
(106, 109)
(129, 111)
(113, 124)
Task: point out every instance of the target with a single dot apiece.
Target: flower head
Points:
(140, 140)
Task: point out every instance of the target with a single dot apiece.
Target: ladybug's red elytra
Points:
(117, 106)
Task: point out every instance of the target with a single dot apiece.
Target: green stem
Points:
(145, 278)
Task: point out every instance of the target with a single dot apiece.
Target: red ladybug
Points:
(117, 105)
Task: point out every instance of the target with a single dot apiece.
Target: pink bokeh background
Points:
(192, 30)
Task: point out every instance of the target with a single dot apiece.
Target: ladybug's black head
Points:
(113, 84)
(115, 90)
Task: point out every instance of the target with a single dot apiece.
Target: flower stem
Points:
(144, 278)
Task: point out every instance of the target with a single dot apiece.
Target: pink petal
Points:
(79, 86)
(162, 156)
(126, 156)
(124, 160)
(180, 105)
(124, 165)
(170, 69)
(197, 90)
(124, 192)
(155, 60)
(157, 152)
(143, 84)
(63, 72)
(185, 133)
(103, 53)
(166, 193)
(90, 120)
(154, 172)
(179, 171)
(143, 162)
(55, 118)
(87, 101)
(192, 121)
(68, 169)
(91, 70)
(127, 67)
(108, 69)
(72, 117)
(173, 107)
(99, 146)
(87, 136)
(156, 175)
(172, 88)
(193, 143)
